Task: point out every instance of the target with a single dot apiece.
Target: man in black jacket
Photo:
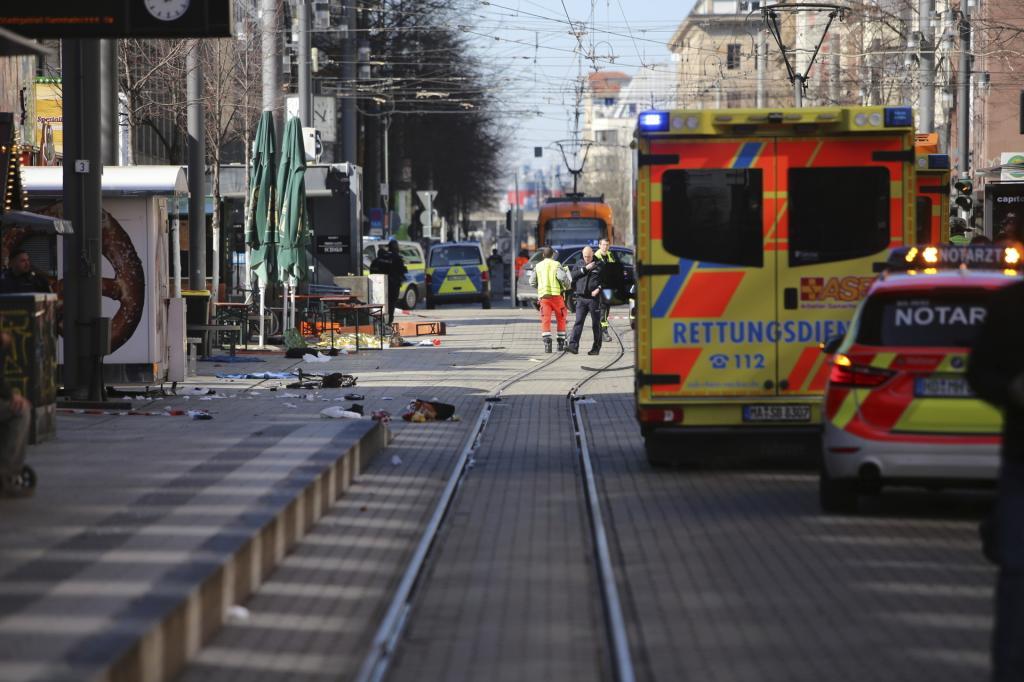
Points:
(586, 284)
(15, 417)
(996, 373)
(20, 278)
(391, 263)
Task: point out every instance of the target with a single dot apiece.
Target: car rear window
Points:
(837, 214)
(455, 255)
(941, 318)
(713, 215)
(410, 254)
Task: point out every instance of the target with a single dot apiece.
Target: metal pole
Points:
(196, 172)
(305, 77)
(271, 45)
(964, 99)
(349, 142)
(109, 122)
(762, 63)
(798, 90)
(83, 354)
(926, 71)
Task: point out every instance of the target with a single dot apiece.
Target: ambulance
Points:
(932, 191)
(756, 235)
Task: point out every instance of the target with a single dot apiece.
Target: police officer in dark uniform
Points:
(391, 263)
(586, 283)
(20, 278)
(996, 373)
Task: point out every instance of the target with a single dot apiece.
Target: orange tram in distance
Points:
(574, 219)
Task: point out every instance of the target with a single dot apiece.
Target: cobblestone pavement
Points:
(313, 620)
(730, 572)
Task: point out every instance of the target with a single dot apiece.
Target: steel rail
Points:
(614, 618)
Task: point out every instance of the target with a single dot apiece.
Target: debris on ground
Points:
(232, 358)
(420, 411)
(354, 396)
(395, 460)
(356, 407)
(256, 375)
(236, 614)
(195, 390)
(199, 414)
(309, 357)
(337, 412)
(382, 416)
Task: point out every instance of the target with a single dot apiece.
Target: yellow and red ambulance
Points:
(756, 235)
(932, 191)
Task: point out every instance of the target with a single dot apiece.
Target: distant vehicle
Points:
(414, 286)
(898, 410)
(568, 255)
(574, 219)
(457, 272)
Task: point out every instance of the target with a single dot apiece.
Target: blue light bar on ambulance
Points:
(654, 121)
(952, 257)
(898, 116)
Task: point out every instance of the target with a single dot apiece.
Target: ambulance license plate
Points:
(942, 387)
(776, 413)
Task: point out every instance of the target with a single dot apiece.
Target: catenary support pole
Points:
(349, 143)
(271, 45)
(83, 354)
(762, 64)
(926, 71)
(196, 171)
(110, 128)
(963, 115)
(305, 76)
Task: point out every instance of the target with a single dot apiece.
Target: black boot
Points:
(595, 351)
(561, 344)
(547, 344)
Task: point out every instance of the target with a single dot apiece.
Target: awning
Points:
(118, 181)
(14, 44)
(36, 222)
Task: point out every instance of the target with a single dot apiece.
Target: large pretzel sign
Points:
(127, 287)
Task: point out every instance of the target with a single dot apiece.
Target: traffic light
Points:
(964, 191)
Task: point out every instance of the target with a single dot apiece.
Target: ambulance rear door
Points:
(842, 204)
(707, 288)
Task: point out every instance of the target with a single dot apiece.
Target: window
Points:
(454, 255)
(732, 57)
(837, 213)
(713, 215)
(923, 216)
(935, 319)
(410, 254)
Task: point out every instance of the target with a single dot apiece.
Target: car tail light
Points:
(660, 415)
(485, 276)
(846, 373)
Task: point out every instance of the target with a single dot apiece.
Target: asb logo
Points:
(834, 288)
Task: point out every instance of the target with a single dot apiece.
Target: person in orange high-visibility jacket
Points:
(551, 280)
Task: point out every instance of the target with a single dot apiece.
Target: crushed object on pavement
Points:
(428, 411)
(199, 414)
(337, 412)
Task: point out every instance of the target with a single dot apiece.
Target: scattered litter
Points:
(386, 397)
(586, 401)
(200, 414)
(497, 347)
(309, 357)
(425, 342)
(232, 358)
(337, 412)
(292, 405)
(355, 396)
(310, 397)
(428, 411)
(196, 390)
(382, 416)
(256, 375)
(535, 360)
(395, 460)
(339, 380)
(236, 614)
(363, 508)
(356, 407)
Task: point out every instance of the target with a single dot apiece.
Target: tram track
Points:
(385, 642)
